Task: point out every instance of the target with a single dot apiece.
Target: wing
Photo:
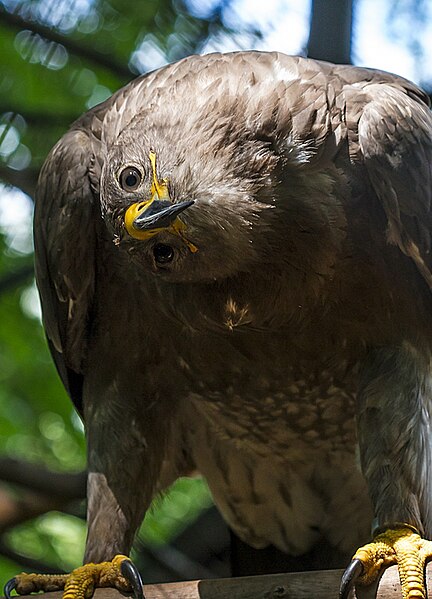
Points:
(65, 241)
(395, 138)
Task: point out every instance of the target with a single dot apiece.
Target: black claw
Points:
(9, 587)
(349, 578)
(130, 572)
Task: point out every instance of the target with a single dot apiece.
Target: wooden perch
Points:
(299, 585)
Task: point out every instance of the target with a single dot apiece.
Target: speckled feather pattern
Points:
(273, 358)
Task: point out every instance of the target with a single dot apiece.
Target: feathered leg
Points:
(126, 440)
(394, 416)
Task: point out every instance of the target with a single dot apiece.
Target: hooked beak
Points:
(145, 219)
(159, 215)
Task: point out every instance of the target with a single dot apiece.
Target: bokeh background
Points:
(57, 59)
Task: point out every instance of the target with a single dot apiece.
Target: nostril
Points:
(163, 254)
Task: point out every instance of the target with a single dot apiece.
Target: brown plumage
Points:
(297, 334)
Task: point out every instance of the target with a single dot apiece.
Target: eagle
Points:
(233, 255)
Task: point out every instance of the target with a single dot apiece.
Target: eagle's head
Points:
(188, 212)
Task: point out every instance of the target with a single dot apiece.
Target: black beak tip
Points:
(160, 214)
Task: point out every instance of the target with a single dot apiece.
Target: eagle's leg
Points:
(402, 546)
(126, 444)
(393, 412)
(115, 491)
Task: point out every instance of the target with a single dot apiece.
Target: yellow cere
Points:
(158, 188)
(131, 214)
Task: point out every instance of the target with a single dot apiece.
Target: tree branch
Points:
(108, 62)
(318, 584)
(40, 117)
(14, 279)
(15, 510)
(25, 180)
(64, 486)
(32, 565)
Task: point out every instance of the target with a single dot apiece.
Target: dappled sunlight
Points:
(54, 538)
(30, 302)
(175, 510)
(16, 217)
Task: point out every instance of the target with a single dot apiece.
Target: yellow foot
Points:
(120, 573)
(402, 546)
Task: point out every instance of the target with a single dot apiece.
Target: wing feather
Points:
(65, 239)
(395, 138)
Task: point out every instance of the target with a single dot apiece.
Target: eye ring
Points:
(130, 178)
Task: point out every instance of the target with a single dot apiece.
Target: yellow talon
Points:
(401, 546)
(80, 583)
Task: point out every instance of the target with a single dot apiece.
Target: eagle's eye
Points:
(163, 254)
(130, 178)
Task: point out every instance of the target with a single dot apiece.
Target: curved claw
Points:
(349, 578)
(9, 587)
(130, 572)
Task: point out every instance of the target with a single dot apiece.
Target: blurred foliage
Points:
(49, 83)
(36, 421)
(54, 538)
(171, 513)
(58, 539)
(57, 59)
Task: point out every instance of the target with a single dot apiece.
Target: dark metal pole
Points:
(330, 31)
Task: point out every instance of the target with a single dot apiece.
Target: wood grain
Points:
(299, 585)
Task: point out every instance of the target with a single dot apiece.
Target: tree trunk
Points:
(330, 31)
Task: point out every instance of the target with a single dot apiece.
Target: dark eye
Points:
(130, 178)
(163, 253)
